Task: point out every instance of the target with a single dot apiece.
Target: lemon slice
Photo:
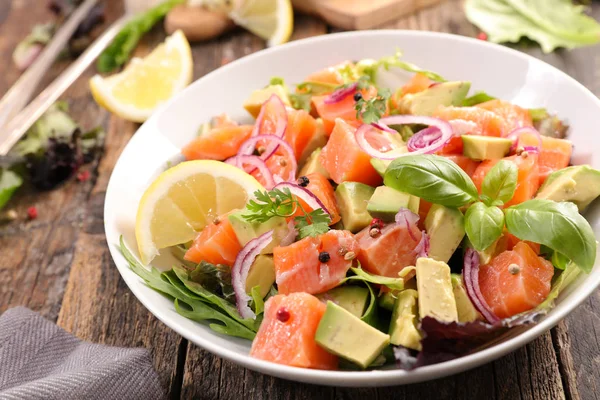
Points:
(184, 199)
(146, 83)
(272, 20)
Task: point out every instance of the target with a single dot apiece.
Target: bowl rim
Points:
(353, 378)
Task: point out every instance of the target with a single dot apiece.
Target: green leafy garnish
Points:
(484, 225)
(391, 283)
(500, 183)
(565, 278)
(215, 278)
(313, 224)
(301, 101)
(9, 183)
(370, 67)
(119, 51)
(432, 178)
(276, 80)
(557, 225)
(551, 23)
(372, 110)
(306, 90)
(257, 300)
(477, 98)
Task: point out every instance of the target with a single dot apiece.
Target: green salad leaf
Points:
(9, 183)
(257, 300)
(214, 278)
(432, 178)
(484, 225)
(558, 226)
(370, 67)
(477, 98)
(364, 276)
(500, 182)
(551, 23)
(565, 278)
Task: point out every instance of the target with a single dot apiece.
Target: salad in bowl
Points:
(356, 226)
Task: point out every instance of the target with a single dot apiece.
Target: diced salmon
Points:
(554, 155)
(345, 160)
(301, 129)
(217, 144)
(287, 333)
(416, 84)
(488, 122)
(329, 75)
(528, 181)
(389, 252)
(511, 241)
(513, 115)
(344, 109)
(298, 268)
(515, 281)
(465, 163)
(216, 244)
(321, 187)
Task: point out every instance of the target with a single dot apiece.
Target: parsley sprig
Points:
(372, 110)
(282, 203)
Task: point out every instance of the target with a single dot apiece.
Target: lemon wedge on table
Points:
(144, 84)
(184, 199)
(272, 20)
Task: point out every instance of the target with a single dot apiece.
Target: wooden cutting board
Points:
(360, 14)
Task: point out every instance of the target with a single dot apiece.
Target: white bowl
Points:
(505, 73)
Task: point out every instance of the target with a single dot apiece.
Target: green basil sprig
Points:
(483, 225)
(432, 178)
(500, 183)
(558, 226)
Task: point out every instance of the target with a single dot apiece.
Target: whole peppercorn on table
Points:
(55, 259)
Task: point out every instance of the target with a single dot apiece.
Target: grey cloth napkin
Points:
(39, 360)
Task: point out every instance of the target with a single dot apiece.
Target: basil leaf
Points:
(500, 182)
(483, 225)
(432, 178)
(558, 226)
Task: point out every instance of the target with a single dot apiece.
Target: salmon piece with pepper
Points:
(554, 155)
(321, 187)
(287, 333)
(488, 123)
(514, 116)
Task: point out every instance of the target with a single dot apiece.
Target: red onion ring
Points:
(306, 195)
(383, 127)
(470, 275)
(255, 163)
(341, 93)
(422, 249)
(425, 140)
(516, 134)
(248, 147)
(280, 110)
(531, 149)
(408, 218)
(240, 269)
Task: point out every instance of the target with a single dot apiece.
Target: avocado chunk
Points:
(313, 164)
(465, 308)
(259, 96)
(386, 202)
(386, 300)
(436, 296)
(446, 229)
(485, 147)
(246, 231)
(352, 298)
(318, 140)
(352, 199)
(442, 94)
(403, 326)
(579, 184)
(262, 273)
(342, 333)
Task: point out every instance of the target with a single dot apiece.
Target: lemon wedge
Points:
(146, 83)
(184, 199)
(272, 20)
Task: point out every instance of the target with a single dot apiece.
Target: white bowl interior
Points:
(502, 72)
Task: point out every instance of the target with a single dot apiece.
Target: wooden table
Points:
(59, 264)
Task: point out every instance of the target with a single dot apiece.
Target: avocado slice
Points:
(352, 298)
(465, 308)
(436, 296)
(386, 202)
(318, 140)
(403, 326)
(446, 229)
(579, 184)
(442, 94)
(485, 147)
(246, 231)
(254, 103)
(313, 164)
(262, 273)
(352, 198)
(342, 333)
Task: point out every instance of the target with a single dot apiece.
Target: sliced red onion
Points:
(341, 93)
(516, 134)
(531, 149)
(306, 195)
(409, 219)
(291, 234)
(273, 143)
(252, 163)
(422, 249)
(425, 140)
(383, 127)
(280, 111)
(470, 275)
(240, 269)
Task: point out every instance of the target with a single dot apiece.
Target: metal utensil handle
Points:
(21, 92)
(16, 128)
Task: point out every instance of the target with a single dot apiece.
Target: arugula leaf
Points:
(558, 226)
(9, 183)
(477, 98)
(119, 51)
(500, 182)
(432, 178)
(364, 276)
(214, 278)
(483, 225)
(544, 22)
